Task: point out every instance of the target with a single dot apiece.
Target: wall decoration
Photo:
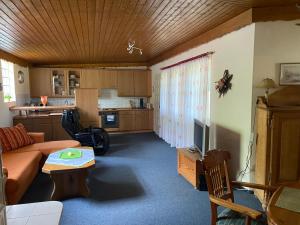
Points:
(289, 74)
(20, 77)
(224, 84)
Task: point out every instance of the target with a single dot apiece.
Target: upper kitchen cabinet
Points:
(108, 79)
(90, 78)
(58, 81)
(74, 80)
(40, 82)
(142, 83)
(125, 83)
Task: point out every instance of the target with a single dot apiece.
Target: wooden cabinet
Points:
(108, 79)
(125, 83)
(189, 166)
(58, 83)
(40, 82)
(142, 83)
(49, 124)
(90, 78)
(277, 144)
(127, 120)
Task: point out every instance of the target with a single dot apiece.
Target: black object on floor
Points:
(94, 137)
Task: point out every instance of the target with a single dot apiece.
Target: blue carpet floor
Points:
(136, 183)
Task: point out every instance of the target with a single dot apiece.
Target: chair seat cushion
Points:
(48, 147)
(230, 217)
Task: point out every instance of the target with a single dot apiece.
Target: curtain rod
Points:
(187, 60)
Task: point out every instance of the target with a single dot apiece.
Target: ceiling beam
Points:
(14, 59)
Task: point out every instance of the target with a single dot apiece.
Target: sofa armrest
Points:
(38, 137)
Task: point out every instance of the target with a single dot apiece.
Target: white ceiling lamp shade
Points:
(131, 48)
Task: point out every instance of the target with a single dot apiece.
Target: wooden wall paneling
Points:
(125, 83)
(90, 78)
(88, 107)
(89, 32)
(40, 82)
(142, 83)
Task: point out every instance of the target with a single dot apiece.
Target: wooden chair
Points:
(221, 194)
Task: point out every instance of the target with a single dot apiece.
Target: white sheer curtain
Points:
(184, 96)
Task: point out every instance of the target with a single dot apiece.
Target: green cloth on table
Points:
(71, 154)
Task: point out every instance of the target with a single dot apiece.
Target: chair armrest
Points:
(253, 185)
(38, 137)
(252, 213)
(5, 171)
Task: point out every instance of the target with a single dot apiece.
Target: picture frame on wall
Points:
(289, 74)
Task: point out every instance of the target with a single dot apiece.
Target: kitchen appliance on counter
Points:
(109, 118)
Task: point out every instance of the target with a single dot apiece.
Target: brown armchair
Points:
(221, 194)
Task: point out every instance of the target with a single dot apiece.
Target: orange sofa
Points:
(22, 165)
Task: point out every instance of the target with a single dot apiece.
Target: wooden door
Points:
(86, 100)
(108, 79)
(141, 120)
(40, 82)
(90, 78)
(142, 83)
(285, 145)
(262, 150)
(125, 83)
(127, 120)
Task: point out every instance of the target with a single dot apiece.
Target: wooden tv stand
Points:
(190, 166)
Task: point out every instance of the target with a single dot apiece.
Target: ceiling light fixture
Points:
(131, 48)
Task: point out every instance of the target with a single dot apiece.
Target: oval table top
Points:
(280, 216)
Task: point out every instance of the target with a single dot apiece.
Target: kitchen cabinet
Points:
(141, 120)
(108, 79)
(90, 78)
(125, 83)
(40, 82)
(127, 120)
(49, 124)
(74, 80)
(58, 82)
(142, 83)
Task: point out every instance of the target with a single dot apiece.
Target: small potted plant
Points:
(7, 98)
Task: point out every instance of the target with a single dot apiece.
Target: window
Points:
(7, 69)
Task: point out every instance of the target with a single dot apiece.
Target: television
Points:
(201, 137)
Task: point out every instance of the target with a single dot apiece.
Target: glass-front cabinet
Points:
(58, 80)
(73, 81)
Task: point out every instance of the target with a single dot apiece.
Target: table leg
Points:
(69, 184)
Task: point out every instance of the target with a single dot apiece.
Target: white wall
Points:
(230, 115)
(22, 95)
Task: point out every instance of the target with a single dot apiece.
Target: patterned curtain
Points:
(184, 96)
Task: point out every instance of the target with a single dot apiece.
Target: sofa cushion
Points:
(22, 168)
(14, 137)
(50, 146)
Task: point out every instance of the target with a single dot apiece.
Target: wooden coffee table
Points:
(69, 181)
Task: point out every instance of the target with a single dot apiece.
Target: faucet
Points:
(66, 102)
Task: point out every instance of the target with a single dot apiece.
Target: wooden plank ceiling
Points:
(98, 31)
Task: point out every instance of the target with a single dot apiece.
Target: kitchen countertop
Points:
(42, 108)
